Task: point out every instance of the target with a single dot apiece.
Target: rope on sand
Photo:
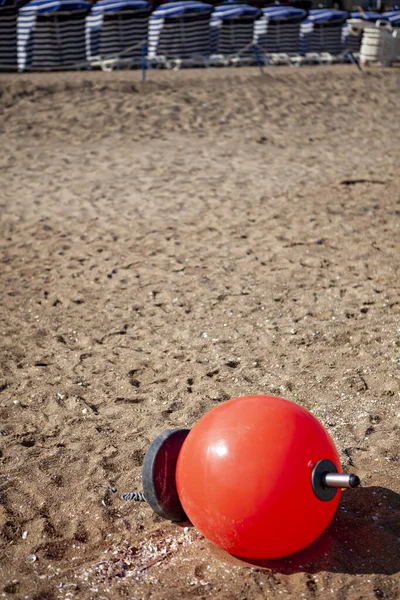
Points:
(127, 496)
(135, 496)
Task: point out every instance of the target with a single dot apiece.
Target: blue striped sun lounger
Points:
(117, 26)
(321, 31)
(51, 34)
(393, 16)
(180, 30)
(232, 29)
(8, 35)
(278, 29)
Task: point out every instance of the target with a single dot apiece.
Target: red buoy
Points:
(250, 475)
(259, 476)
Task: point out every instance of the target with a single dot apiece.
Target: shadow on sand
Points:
(364, 538)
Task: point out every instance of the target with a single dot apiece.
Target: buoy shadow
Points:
(362, 539)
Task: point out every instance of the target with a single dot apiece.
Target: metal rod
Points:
(144, 61)
(340, 480)
(257, 57)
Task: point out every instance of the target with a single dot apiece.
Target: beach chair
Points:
(321, 34)
(351, 35)
(51, 34)
(8, 35)
(232, 32)
(179, 34)
(381, 40)
(277, 33)
(116, 31)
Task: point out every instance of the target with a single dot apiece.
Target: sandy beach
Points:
(165, 247)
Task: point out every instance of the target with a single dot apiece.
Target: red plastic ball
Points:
(244, 477)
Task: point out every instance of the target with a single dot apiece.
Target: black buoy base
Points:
(158, 475)
(326, 480)
(323, 492)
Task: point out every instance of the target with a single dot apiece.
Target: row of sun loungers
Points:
(54, 34)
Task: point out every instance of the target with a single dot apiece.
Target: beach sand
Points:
(165, 247)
